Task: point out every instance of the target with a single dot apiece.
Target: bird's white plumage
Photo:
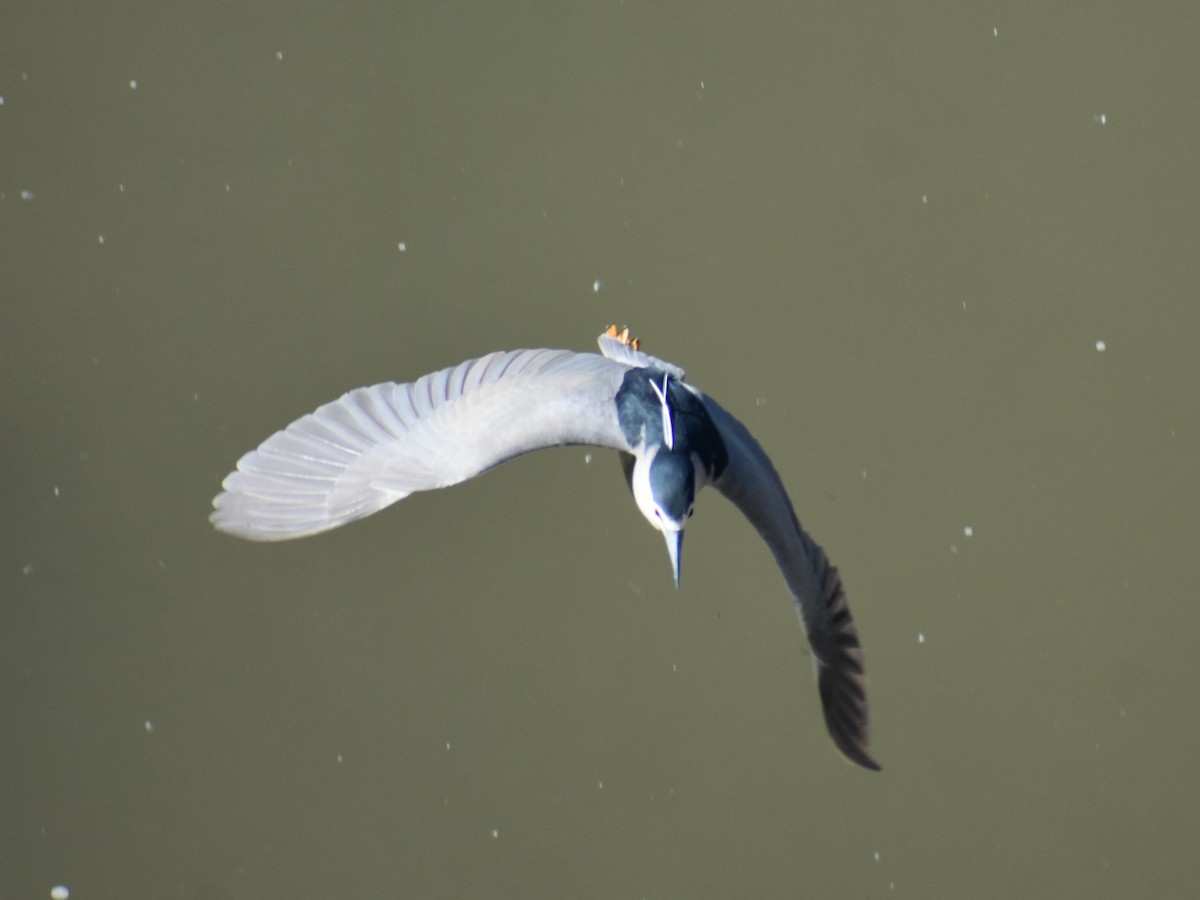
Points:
(613, 347)
(375, 445)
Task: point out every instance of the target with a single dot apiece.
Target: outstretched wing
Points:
(751, 483)
(376, 445)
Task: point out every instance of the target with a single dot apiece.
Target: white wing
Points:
(751, 483)
(376, 445)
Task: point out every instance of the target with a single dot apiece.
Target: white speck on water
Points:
(597, 285)
(26, 194)
(27, 569)
(59, 892)
(920, 637)
(1, 101)
(864, 475)
(760, 401)
(968, 530)
(148, 726)
(227, 189)
(878, 856)
(587, 459)
(133, 84)
(600, 785)
(340, 758)
(447, 745)
(495, 832)
(1100, 118)
(924, 198)
(402, 246)
(279, 55)
(674, 667)
(954, 548)
(57, 492)
(1101, 346)
(995, 32)
(701, 84)
(101, 240)
(121, 186)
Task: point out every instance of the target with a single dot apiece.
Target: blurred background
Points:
(940, 258)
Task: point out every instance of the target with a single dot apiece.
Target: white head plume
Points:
(668, 429)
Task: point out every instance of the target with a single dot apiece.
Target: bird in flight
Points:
(376, 445)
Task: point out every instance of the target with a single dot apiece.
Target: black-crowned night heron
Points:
(378, 444)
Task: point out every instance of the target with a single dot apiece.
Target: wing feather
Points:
(754, 487)
(376, 445)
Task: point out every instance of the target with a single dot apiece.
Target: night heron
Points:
(378, 444)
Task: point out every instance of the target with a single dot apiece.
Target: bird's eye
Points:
(691, 511)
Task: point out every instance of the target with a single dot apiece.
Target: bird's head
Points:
(664, 486)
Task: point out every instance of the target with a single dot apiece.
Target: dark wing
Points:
(376, 445)
(751, 483)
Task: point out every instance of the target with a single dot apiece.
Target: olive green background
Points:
(887, 236)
